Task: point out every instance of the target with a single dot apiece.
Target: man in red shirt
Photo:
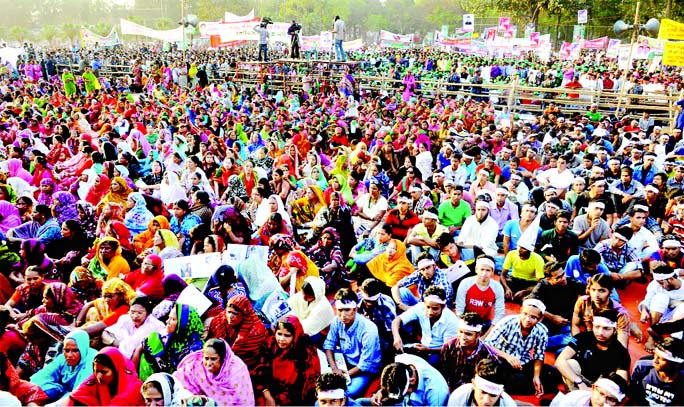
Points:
(482, 295)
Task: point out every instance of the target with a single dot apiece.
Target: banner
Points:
(469, 22)
(599, 43)
(388, 39)
(204, 265)
(671, 30)
(207, 29)
(648, 48)
(90, 38)
(131, 28)
(582, 16)
(244, 30)
(578, 33)
(438, 38)
(309, 43)
(674, 53)
(353, 45)
(233, 18)
(326, 42)
(613, 48)
(534, 39)
(490, 34)
(569, 51)
(460, 41)
(445, 31)
(11, 55)
(504, 23)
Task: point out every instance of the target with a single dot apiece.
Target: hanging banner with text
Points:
(388, 39)
(131, 28)
(671, 30)
(90, 38)
(599, 43)
(673, 54)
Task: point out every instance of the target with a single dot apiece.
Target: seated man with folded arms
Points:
(664, 300)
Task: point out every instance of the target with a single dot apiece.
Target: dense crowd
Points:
(398, 228)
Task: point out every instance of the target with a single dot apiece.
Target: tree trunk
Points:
(535, 16)
(668, 8)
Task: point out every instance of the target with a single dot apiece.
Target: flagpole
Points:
(635, 31)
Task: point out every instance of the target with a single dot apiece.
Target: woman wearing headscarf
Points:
(392, 265)
(240, 326)
(222, 286)
(47, 189)
(105, 311)
(64, 206)
(263, 289)
(45, 333)
(15, 169)
(171, 190)
(131, 329)
(32, 253)
(270, 206)
(118, 193)
(278, 248)
(185, 329)
(304, 209)
(327, 255)
(289, 367)
(100, 188)
(60, 300)
(145, 240)
(84, 184)
(148, 279)
(315, 177)
(312, 307)
(115, 384)
(41, 172)
(165, 389)
(112, 212)
(166, 244)
(86, 219)
(182, 222)
(68, 370)
(27, 393)
(235, 188)
(108, 262)
(69, 250)
(9, 216)
(84, 285)
(137, 216)
(217, 372)
(234, 227)
(296, 267)
(173, 287)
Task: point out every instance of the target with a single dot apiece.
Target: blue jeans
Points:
(339, 52)
(263, 52)
(559, 341)
(407, 297)
(358, 385)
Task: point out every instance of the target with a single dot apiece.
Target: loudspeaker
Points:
(652, 26)
(620, 27)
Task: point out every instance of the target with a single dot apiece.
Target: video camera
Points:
(294, 28)
(266, 21)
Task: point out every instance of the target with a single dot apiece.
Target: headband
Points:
(516, 175)
(335, 394)
(487, 386)
(535, 303)
(485, 262)
(344, 305)
(671, 243)
(667, 355)
(370, 297)
(396, 396)
(552, 205)
(471, 328)
(603, 321)
(619, 236)
(430, 215)
(661, 277)
(425, 263)
(502, 191)
(641, 207)
(611, 387)
(467, 156)
(597, 204)
(404, 199)
(483, 171)
(435, 299)
(651, 188)
(481, 204)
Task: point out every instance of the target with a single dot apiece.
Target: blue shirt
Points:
(360, 344)
(439, 279)
(368, 249)
(432, 389)
(436, 335)
(512, 230)
(573, 269)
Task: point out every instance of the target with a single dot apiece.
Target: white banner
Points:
(244, 30)
(131, 28)
(326, 40)
(469, 22)
(11, 55)
(353, 45)
(233, 18)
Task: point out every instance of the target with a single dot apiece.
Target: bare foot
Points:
(635, 331)
(649, 346)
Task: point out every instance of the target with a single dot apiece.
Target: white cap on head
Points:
(502, 191)
(535, 303)
(651, 188)
(415, 188)
(481, 204)
(610, 387)
(671, 244)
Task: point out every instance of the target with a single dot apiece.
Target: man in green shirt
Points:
(453, 212)
(593, 114)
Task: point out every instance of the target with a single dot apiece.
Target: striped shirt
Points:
(507, 337)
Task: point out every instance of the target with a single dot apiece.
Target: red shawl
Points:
(26, 392)
(96, 193)
(91, 393)
(150, 285)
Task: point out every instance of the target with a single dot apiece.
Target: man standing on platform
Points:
(263, 40)
(293, 32)
(339, 31)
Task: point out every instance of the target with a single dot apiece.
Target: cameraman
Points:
(263, 40)
(293, 32)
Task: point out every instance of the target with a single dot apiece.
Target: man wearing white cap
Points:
(520, 341)
(660, 381)
(607, 391)
(423, 236)
(485, 389)
(402, 218)
(560, 177)
(625, 190)
(593, 354)
(519, 192)
(481, 184)
(502, 210)
(664, 300)
(481, 294)
(479, 231)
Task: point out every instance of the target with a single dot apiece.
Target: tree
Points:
(49, 33)
(164, 24)
(17, 33)
(69, 32)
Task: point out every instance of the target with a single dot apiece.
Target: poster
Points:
(131, 28)
(582, 16)
(388, 39)
(598, 43)
(90, 38)
(671, 30)
(673, 53)
(504, 23)
(613, 48)
(490, 34)
(204, 265)
(578, 33)
(326, 40)
(534, 39)
(468, 22)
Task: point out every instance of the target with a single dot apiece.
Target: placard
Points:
(582, 16)
(468, 22)
(673, 54)
(671, 30)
